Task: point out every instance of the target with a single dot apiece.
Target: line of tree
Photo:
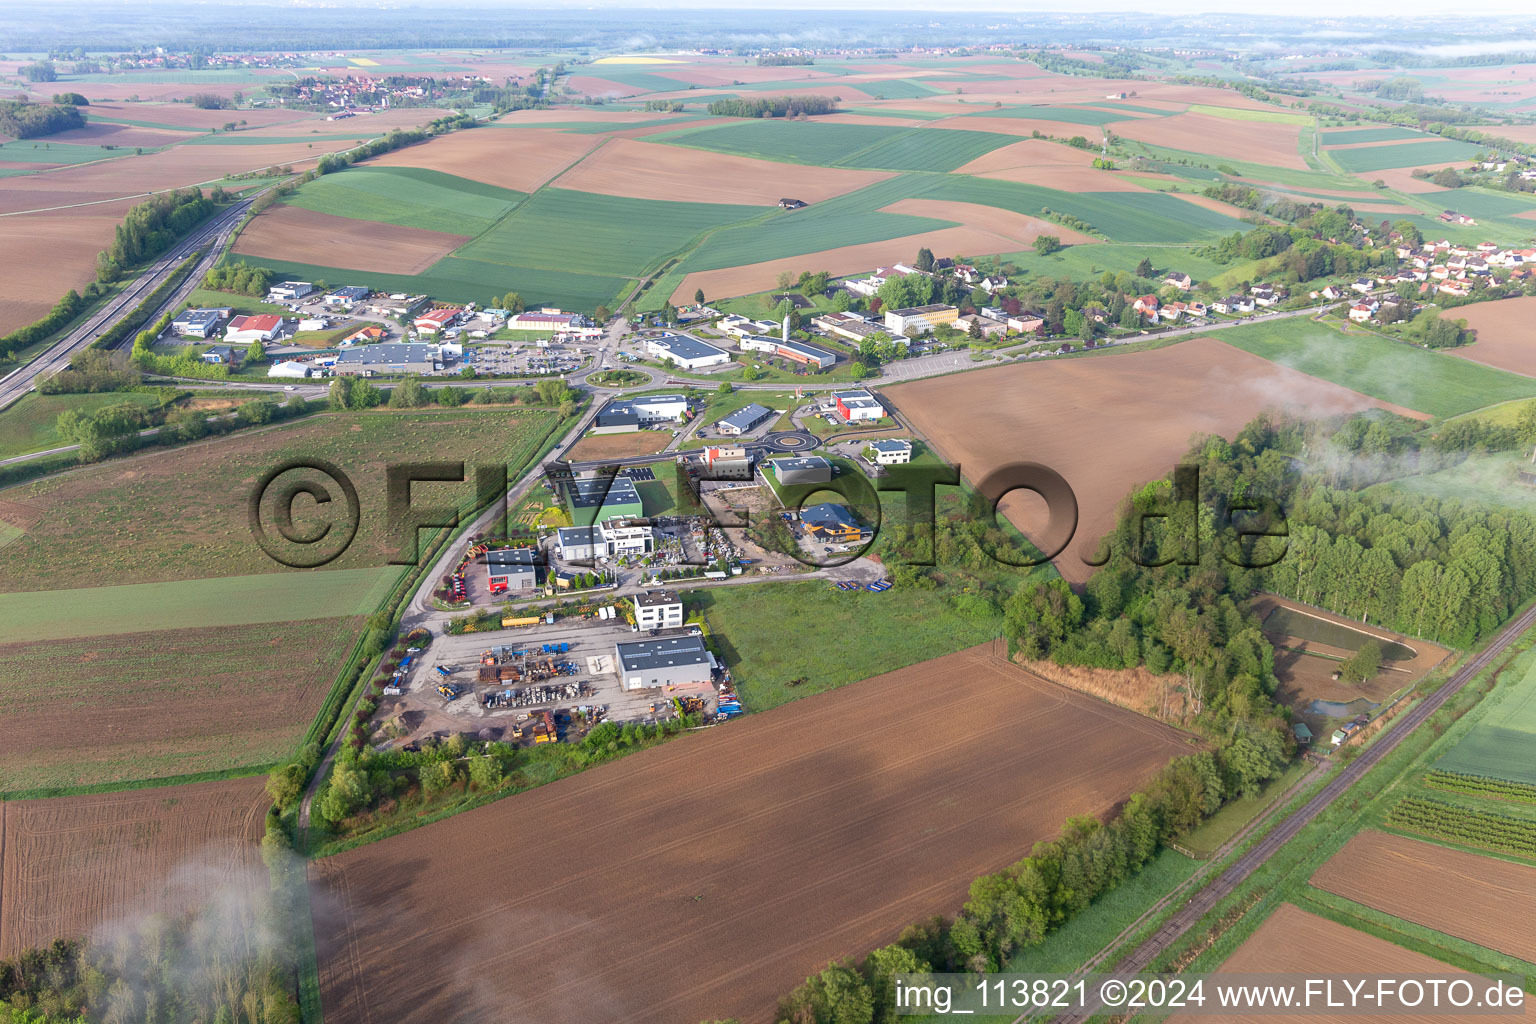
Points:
(65, 310)
(210, 101)
(152, 227)
(773, 106)
(1269, 203)
(22, 120)
(72, 99)
(42, 71)
(785, 60)
(90, 372)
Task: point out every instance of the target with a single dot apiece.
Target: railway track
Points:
(1206, 899)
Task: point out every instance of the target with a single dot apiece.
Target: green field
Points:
(1333, 634)
(1484, 205)
(1492, 480)
(409, 196)
(193, 604)
(1360, 135)
(897, 89)
(1408, 154)
(880, 147)
(1244, 114)
(1501, 742)
(1392, 371)
(181, 513)
(35, 151)
(1066, 115)
(567, 231)
(29, 425)
(863, 635)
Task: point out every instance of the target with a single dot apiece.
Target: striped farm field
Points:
(563, 230)
(877, 147)
(152, 705)
(1499, 745)
(411, 197)
(1246, 114)
(1363, 159)
(1066, 115)
(1358, 136)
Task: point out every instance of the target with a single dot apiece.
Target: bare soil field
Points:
(520, 159)
(641, 131)
(763, 849)
(130, 88)
(292, 233)
(1402, 180)
(1150, 403)
(591, 85)
(72, 865)
(848, 259)
(1048, 164)
(727, 75)
(1296, 942)
(1259, 142)
(1504, 336)
(1518, 132)
(148, 705)
(646, 170)
(184, 115)
(1481, 899)
(358, 126)
(102, 133)
(564, 115)
(44, 255)
(619, 446)
(1015, 227)
(1021, 126)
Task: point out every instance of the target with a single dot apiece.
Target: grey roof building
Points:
(743, 420)
(664, 661)
(517, 566)
(802, 469)
(366, 360)
(594, 499)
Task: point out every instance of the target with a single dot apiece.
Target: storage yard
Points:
(704, 878)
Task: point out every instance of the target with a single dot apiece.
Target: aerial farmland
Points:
(541, 517)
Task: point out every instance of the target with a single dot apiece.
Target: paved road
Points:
(1204, 901)
(212, 235)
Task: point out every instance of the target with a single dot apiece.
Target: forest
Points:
(772, 106)
(22, 120)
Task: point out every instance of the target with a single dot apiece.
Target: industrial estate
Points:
(584, 515)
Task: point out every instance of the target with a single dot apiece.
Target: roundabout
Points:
(790, 441)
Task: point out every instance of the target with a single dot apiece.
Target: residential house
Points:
(1179, 280)
(892, 451)
(1025, 324)
(221, 355)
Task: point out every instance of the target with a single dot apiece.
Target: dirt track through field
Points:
(706, 878)
(71, 865)
(1106, 423)
(1296, 942)
(304, 236)
(1484, 900)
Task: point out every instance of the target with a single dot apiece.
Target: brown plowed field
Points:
(1047, 164)
(1259, 142)
(101, 133)
(147, 705)
(707, 877)
(619, 446)
(1014, 126)
(43, 255)
(1018, 228)
(563, 115)
(647, 170)
(71, 865)
(521, 159)
(359, 126)
(848, 259)
(1481, 899)
(185, 115)
(1293, 941)
(1106, 423)
(1504, 336)
(591, 85)
(292, 233)
(729, 74)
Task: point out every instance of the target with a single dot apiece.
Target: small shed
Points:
(1302, 733)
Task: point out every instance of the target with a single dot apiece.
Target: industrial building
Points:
(243, 330)
(788, 348)
(288, 368)
(199, 323)
(687, 353)
(858, 405)
(728, 463)
(850, 326)
(605, 540)
(892, 451)
(664, 661)
(598, 499)
(287, 291)
(513, 569)
(659, 609)
(922, 318)
(367, 360)
(347, 295)
(803, 469)
(831, 521)
(434, 320)
(625, 414)
(744, 419)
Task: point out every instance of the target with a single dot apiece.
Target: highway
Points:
(1205, 900)
(211, 235)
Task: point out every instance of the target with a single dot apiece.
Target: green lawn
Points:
(1408, 154)
(409, 196)
(851, 635)
(28, 426)
(204, 298)
(1396, 372)
(192, 604)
